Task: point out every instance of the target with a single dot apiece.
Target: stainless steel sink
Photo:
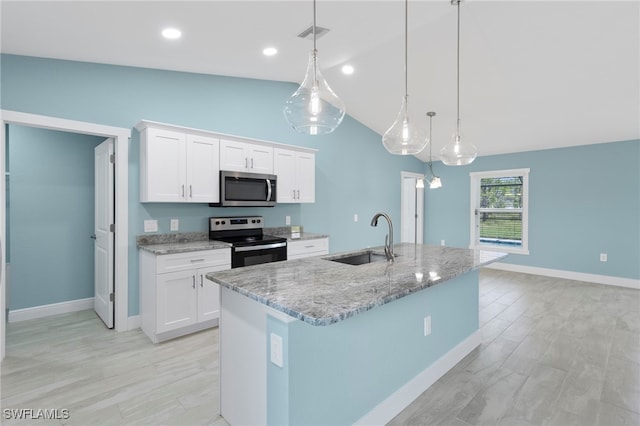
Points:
(360, 258)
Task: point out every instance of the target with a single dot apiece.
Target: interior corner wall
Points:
(354, 173)
(50, 216)
(583, 201)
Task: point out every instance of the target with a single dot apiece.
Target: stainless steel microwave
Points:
(242, 189)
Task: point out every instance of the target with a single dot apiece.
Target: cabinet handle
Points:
(252, 163)
(298, 194)
(191, 191)
(246, 162)
(196, 260)
(183, 190)
(201, 281)
(193, 277)
(294, 194)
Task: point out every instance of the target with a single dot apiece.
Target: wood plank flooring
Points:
(554, 352)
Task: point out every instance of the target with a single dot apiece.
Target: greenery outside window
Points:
(499, 210)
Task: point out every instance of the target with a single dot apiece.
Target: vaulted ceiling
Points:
(534, 74)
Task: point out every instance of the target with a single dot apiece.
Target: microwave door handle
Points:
(268, 190)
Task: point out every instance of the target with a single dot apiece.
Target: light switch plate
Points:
(150, 225)
(175, 224)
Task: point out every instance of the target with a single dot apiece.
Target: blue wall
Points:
(583, 201)
(51, 216)
(354, 174)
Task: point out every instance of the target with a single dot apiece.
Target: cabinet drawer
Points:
(304, 248)
(199, 259)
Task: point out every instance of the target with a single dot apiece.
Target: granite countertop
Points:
(285, 232)
(322, 292)
(178, 243)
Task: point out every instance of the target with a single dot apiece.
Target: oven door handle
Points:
(268, 189)
(260, 247)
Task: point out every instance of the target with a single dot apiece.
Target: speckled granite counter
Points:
(178, 243)
(285, 232)
(322, 292)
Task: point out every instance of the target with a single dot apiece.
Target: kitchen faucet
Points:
(388, 239)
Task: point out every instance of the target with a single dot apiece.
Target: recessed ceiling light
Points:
(269, 51)
(347, 69)
(171, 33)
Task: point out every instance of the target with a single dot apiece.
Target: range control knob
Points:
(258, 220)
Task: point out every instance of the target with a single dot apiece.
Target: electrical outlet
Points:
(441, 242)
(287, 220)
(150, 225)
(427, 325)
(355, 217)
(276, 350)
(603, 257)
(175, 224)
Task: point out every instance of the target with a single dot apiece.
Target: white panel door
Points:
(284, 169)
(306, 177)
(233, 156)
(166, 161)
(176, 293)
(208, 294)
(203, 169)
(104, 238)
(261, 159)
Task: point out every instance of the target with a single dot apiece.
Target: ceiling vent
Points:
(308, 33)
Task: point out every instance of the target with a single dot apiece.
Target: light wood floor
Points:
(554, 352)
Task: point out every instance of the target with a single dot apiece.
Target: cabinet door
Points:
(162, 171)
(177, 300)
(208, 294)
(233, 156)
(203, 169)
(284, 169)
(260, 159)
(306, 177)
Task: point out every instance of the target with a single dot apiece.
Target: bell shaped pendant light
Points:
(435, 181)
(314, 109)
(404, 137)
(457, 152)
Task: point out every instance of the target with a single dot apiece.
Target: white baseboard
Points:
(569, 275)
(133, 322)
(48, 310)
(400, 399)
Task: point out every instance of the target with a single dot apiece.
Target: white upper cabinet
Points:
(240, 156)
(296, 176)
(178, 167)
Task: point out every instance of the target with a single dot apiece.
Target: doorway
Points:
(121, 138)
(412, 207)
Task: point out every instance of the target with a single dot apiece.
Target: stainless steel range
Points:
(249, 245)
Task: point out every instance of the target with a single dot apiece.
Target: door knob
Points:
(93, 236)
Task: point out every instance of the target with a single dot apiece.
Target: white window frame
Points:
(475, 204)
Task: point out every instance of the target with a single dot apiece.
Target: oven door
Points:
(254, 255)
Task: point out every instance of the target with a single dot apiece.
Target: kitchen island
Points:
(316, 341)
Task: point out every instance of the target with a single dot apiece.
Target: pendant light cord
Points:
(458, 71)
(406, 48)
(315, 51)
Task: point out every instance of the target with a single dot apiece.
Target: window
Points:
(499, 210)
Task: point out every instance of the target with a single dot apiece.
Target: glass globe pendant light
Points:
(457, 153)
(404, 137)
(314, 109)
(435, 181)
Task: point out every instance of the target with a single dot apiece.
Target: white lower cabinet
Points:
(307, 248)
(175, 296)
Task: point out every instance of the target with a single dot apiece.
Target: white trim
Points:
(42, 311)
(400, 399)
(499, 248)
(569, 275)
(412, 175)
(121, 137)
(134, 322)
(475, 201)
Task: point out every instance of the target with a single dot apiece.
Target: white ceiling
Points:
(534, 74)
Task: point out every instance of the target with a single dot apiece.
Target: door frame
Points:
(121, 138)
(405, 215)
